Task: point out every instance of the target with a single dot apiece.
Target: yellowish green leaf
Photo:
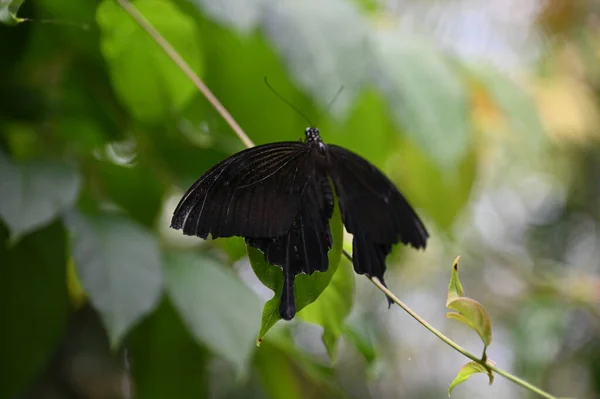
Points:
(473, 314)
(470, 312)
(455, 289)
(467, 371)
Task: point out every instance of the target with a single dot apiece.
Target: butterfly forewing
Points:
(254, 193)
(370, 203)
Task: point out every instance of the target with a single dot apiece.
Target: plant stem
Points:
(185, 68)
(485, 363)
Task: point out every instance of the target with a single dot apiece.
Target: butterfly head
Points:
(312, 135)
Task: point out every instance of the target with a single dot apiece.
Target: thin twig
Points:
(484, 362)
(185, 68)
(172, 53)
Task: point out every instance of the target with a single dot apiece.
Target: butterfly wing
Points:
(253, 193)
(373, 210)
(304, 248)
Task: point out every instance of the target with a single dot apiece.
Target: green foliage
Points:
(167, 362)
(32, 287)
(8, 11)
(466, 372)
(119, 265)
(77, 212)
(470, 312)
(218, 309)
(473, 314)
(426, 95)
(146, 80)
(34, 193)
(332, 307)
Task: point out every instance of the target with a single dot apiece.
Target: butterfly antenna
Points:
(341, 89)
(288, 103)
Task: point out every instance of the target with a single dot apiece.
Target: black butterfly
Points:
(279, 198)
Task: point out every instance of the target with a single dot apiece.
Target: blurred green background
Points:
(485, 114)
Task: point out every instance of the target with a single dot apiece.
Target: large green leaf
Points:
(286, 372)
(442, 193)
(146, 79)
(425, 94)
(219, 310)
(166, 361)
(332, 307)
(368, 130)
(262, 114)
(34, 304)
(119, 265)
(135, 188)
(307, 288)
(325, 47)
(8, 11)
(34, 193)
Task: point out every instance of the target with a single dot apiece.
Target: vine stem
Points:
(185, 68)
(484, 362)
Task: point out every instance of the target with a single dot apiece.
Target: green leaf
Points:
(455, 289)
(285, 372)
(332, 307)
(228, 80)
(167, 361)
(135, 188)
(470, 312)
(307, 288)
(34, 304)
(145, 78)
(219, 310)
(277, 374)
(8, 11)
(466, 372)
(425, 94)
(170, 149)
(324, 48)
(441, 192)
(119, 266)
(357, 334)
(369, 114)
(33, 194)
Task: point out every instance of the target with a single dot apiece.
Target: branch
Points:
(185, 68)
(180, 62)
(484, 362)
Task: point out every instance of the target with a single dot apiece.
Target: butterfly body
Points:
(279, 197)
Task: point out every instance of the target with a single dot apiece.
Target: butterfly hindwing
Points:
(254, 193)
(304, 248)
(373, 210)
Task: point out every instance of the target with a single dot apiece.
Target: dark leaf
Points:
(34, 304)
(119, 266)
(34, 193)
(218, 309)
